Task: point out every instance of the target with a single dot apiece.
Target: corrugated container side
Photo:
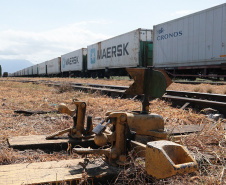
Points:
(42, 68)
(73, 61)
(35, 69)
(30, 70)
(196, 39)
(118, 52)
(26, 71)
(53, 66)
(23, 73)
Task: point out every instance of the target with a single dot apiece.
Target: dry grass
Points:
(27, 96)
(202, 88)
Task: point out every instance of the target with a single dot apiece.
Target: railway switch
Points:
(162, 158)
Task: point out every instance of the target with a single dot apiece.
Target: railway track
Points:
(178, 98)
(194, 99)
(199, 82)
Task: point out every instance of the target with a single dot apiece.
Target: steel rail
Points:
(200, 82)
(198, 100)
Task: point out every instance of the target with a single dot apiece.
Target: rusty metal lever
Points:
(77, 130)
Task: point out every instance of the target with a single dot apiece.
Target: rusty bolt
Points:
(83, 105)
(123, 118)
(122, 158)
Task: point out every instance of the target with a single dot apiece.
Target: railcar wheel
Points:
(94, 75)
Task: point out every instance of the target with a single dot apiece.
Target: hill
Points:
(11, 66)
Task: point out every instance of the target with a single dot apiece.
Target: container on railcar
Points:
(26, 71)
(74, 63)
(120, 52)
(53, 67)
(42, 69)
(30, 71)
(191, 42)
(35, 70)
(23, 72)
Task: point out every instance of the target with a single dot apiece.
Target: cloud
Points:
(38, 47)
(182, 13)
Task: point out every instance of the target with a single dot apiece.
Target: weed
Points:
(134, 172)
(209, 90)
(196, 89)
(65, 87)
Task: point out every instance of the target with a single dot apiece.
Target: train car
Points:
(190, 46)
(193, 45)
(19, 73)
(26, 72)
(5, 74)
(35, 70)
(23, 72)
(74, 63)
(53, 67)
(111, 57)
(42, 69)
(30, 71)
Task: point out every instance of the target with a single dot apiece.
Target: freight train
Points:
(191, 46)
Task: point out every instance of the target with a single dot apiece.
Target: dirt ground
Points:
(27, 96)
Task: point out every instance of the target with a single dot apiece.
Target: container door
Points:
(146, 54)
(84, 63)
(46, 70)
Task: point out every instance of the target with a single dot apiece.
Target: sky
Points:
(40, 30)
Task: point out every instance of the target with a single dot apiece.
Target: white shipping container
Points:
(35, 69)
(73, 61)
(30, 70)
(42, 68)
(117, 52)
(26, 71)
(196, 39)
(53, 66)
(23, 73)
